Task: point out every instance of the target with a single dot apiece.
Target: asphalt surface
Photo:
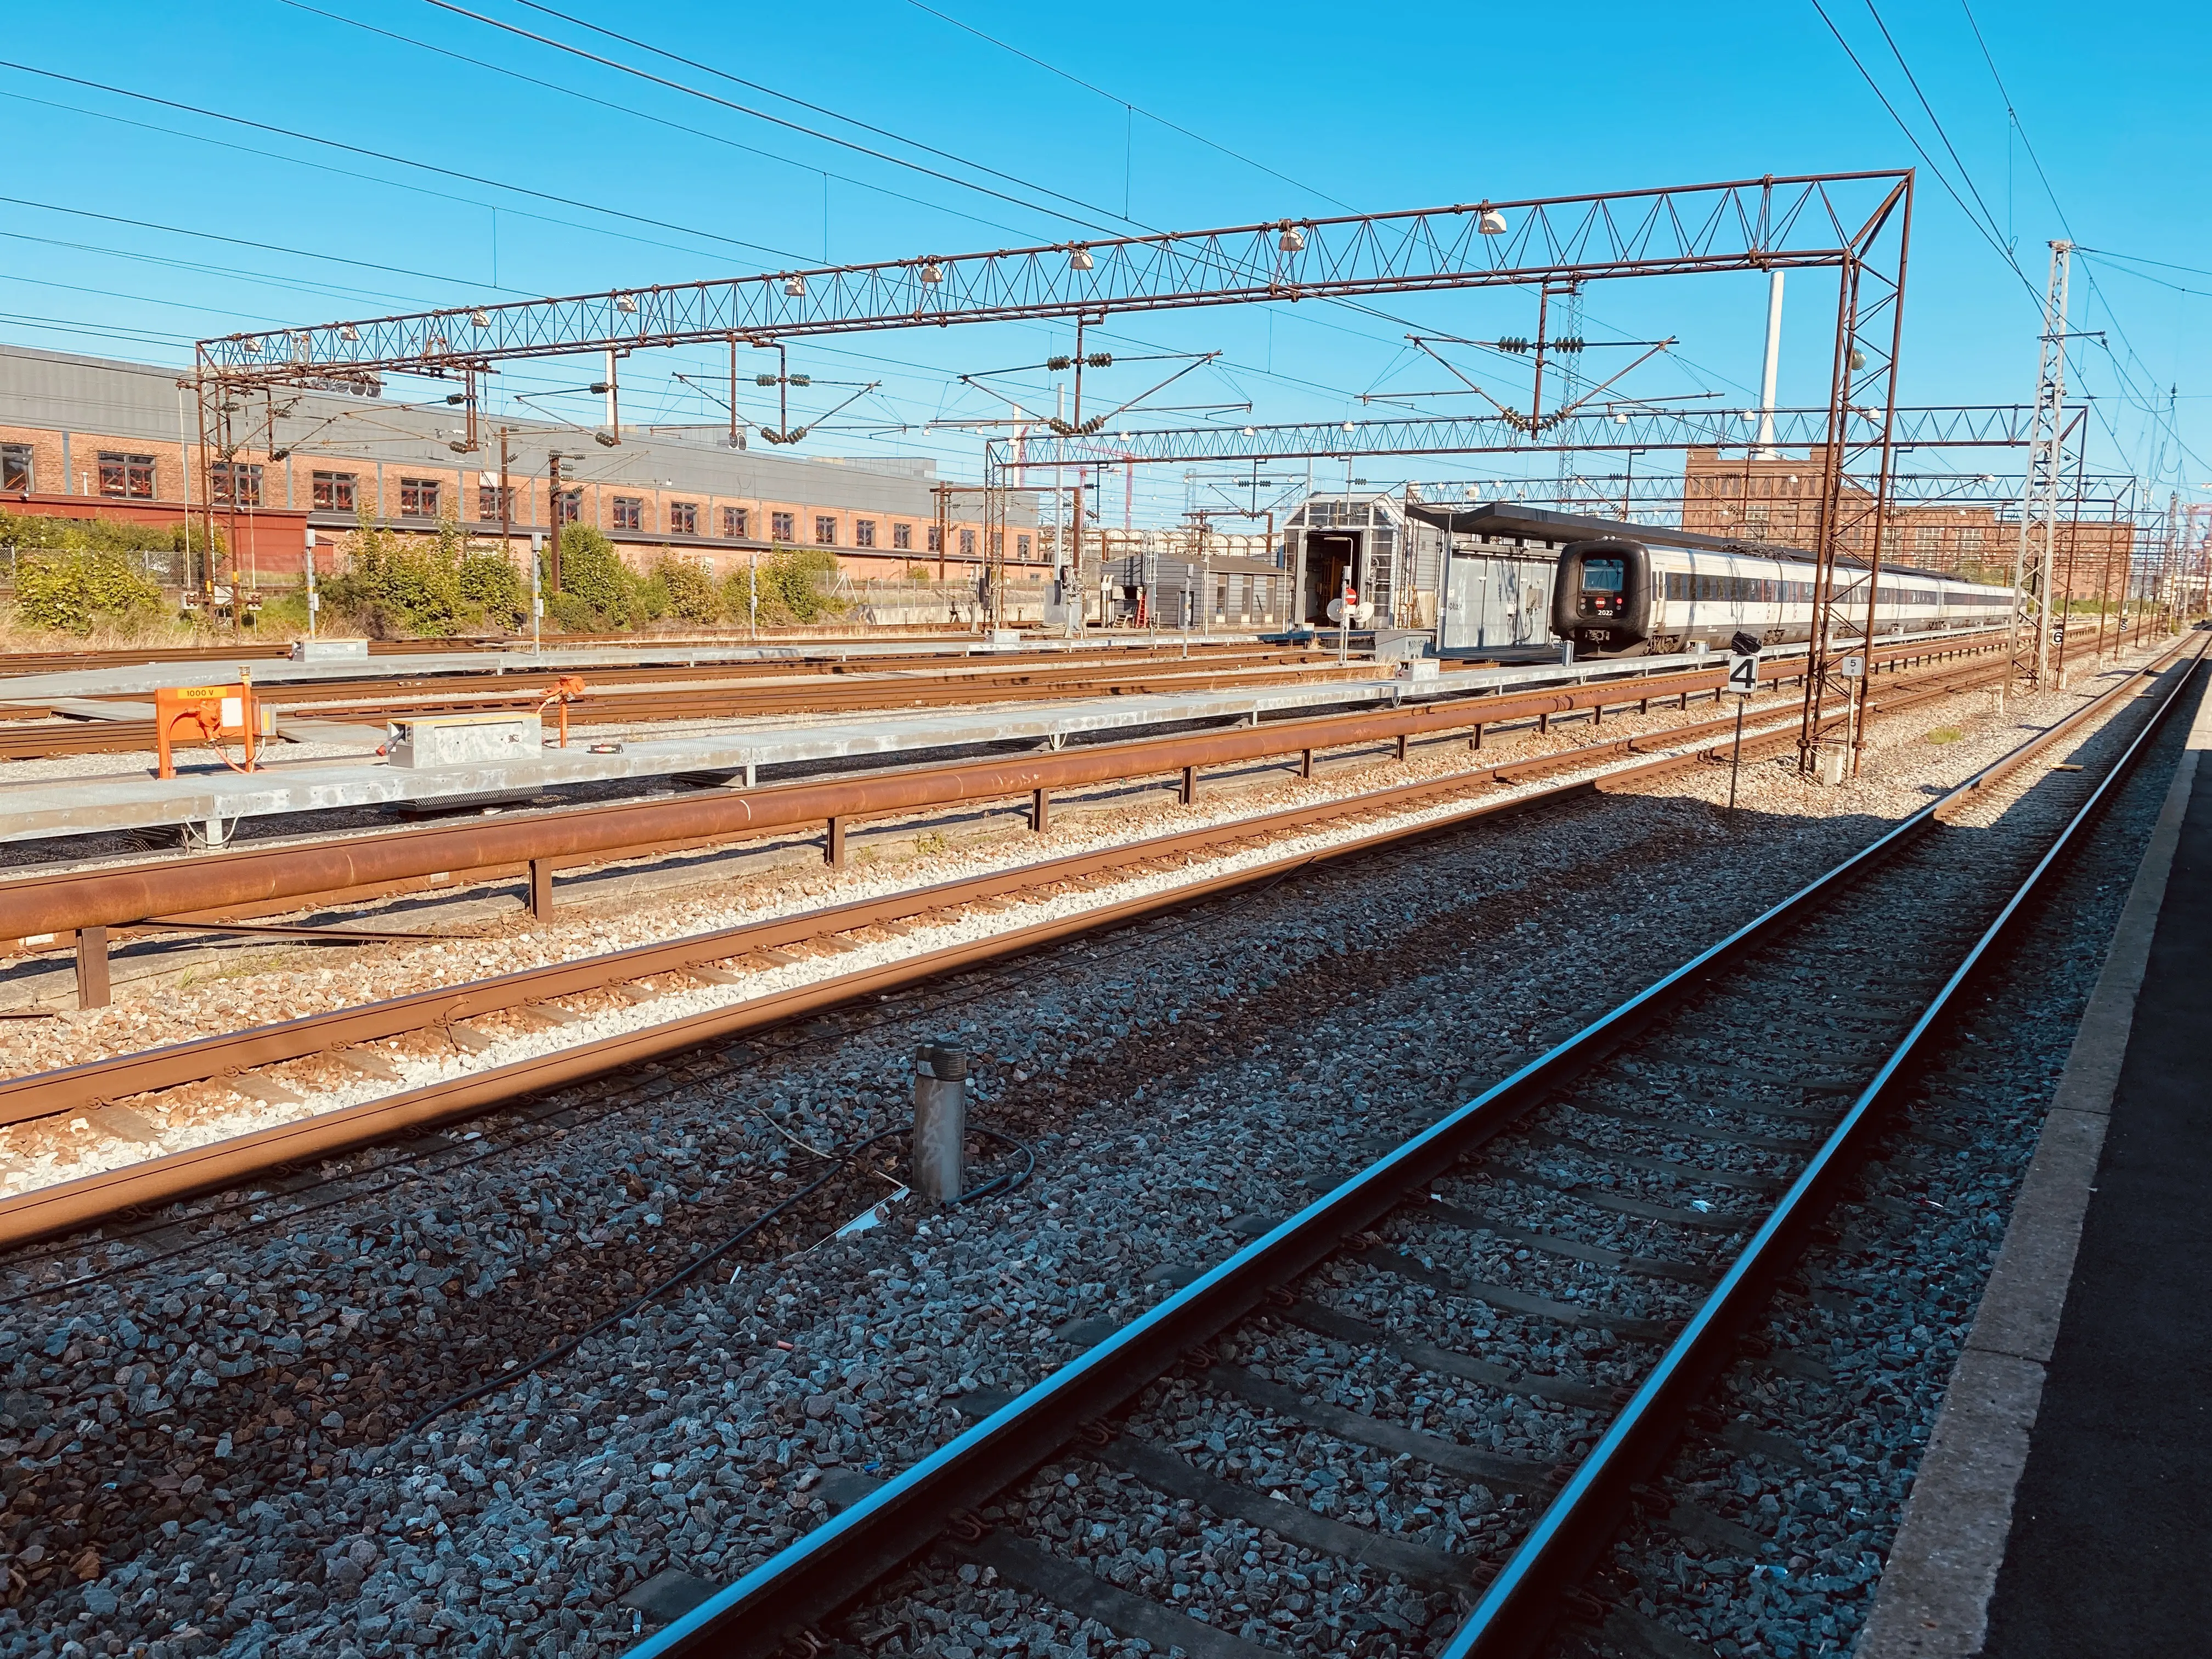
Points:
(2108, 1552)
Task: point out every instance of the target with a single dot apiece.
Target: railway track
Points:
(634, 696)
(1621, 1207)
(291, 1063)
(928, 643)
(269, 877)
(628, 696)
(62, 662)
(297, 1230)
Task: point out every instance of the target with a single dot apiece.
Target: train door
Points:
(1331, 557)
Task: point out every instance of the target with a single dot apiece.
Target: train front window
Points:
(1604, 582)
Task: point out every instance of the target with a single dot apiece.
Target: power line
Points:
(2013, 116)
(1921, 149)
(1161, 120)
(1957, 161)
(2140, 260)
(142, 299)
(2132, 393)
(358, 150)
(758, 114)
(642, 115)
(308, 285)
(819, 109)
(238, 241)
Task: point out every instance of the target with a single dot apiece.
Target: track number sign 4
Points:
(1743, 673)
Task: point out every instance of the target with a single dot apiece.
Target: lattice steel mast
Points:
(2034, 563)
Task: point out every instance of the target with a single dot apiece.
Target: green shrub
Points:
(28, 530)
(494, 589)
(794, 583)
(397, 591)
(285, 611)
(72, 590)
(692, 595)
(574, 615)
(601, 589)
(401, 588)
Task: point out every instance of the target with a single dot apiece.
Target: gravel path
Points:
(211, 1453)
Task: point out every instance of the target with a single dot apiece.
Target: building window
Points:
(418, 498)
(1970, 540)
(235, 483)
(783, 527)
(863, 532)
(131, 476)
(967, 543)
(902, 537)
(825, 529)
(570, 507)
(16, 467)
(1927, 538)
(332, 492)
(737, 524)
(495, 502)
(630, 513)
(935, 545)
(683, 518)
(1021, 547)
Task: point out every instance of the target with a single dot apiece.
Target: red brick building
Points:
(1778, 501)
(86, 435)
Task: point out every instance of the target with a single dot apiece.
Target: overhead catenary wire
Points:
(759, 114)
(1984, 221)
(1936, 170)
(633, 112)
(819, 109)
(1113, 98)
(238, 241)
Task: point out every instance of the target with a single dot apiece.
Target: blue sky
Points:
(1156, 115)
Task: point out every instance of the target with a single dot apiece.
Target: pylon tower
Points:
(2034, 606)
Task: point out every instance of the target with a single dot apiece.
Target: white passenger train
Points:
(1630, 588)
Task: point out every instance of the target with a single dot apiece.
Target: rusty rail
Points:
(70, 1206)
(205, 887)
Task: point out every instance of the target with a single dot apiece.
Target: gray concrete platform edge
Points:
(1933, 1600)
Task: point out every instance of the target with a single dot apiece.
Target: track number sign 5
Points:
(1743, 673)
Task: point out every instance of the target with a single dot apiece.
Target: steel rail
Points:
(45, 1094)
(606, 708)
(123, 1077)
(1524, 1601)
(829, 1565)
(75, 1205)
(70, 1205)
(824, 648)
(99, 1198)
(210, 886)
